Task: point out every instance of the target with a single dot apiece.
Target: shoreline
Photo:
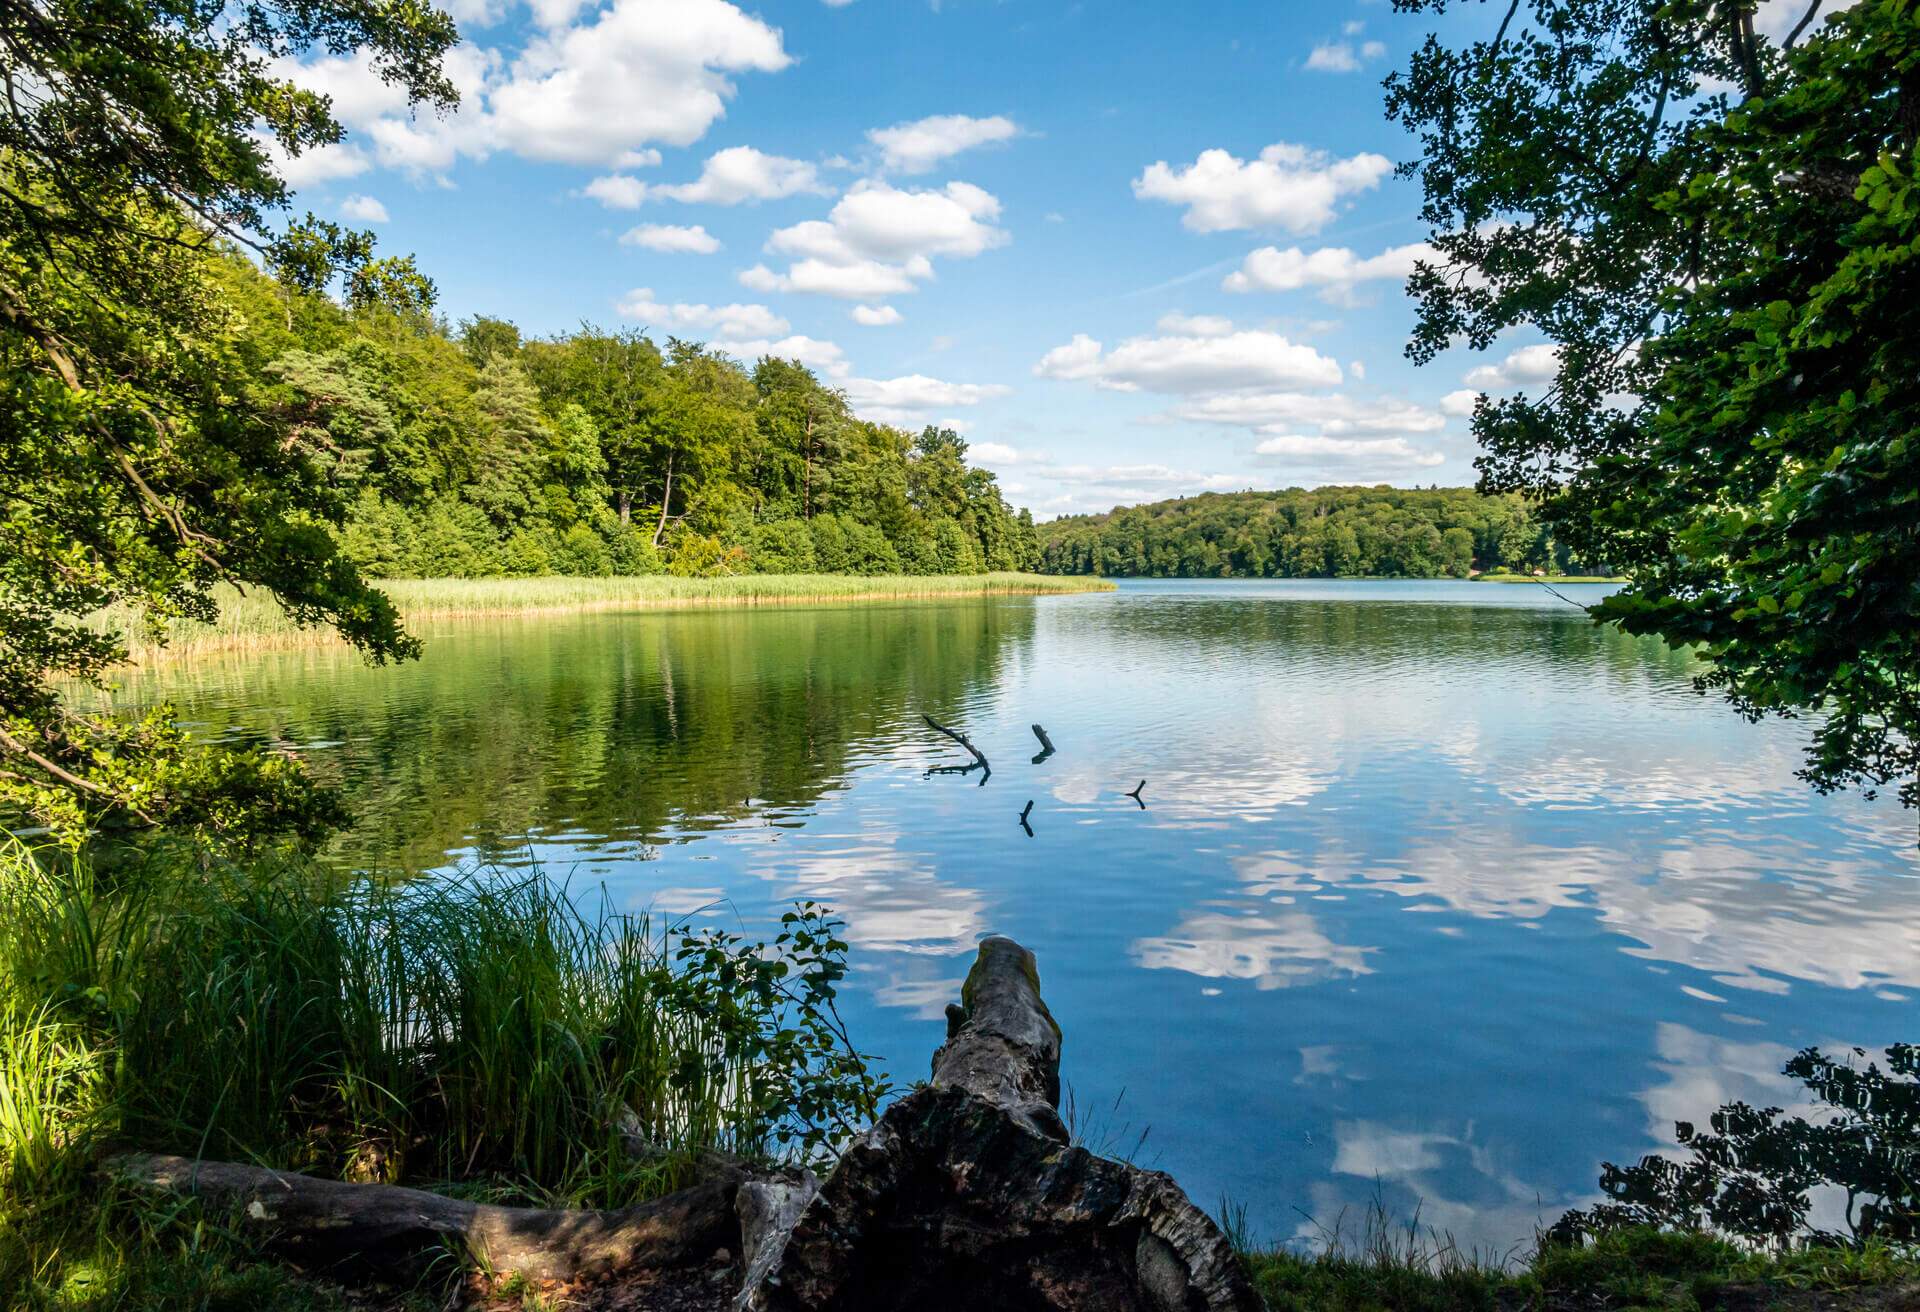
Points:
(254, 621)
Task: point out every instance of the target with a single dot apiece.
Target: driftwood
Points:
(329, 1223)
(979, 760)
(1026, 811)
(968, 1195)
(1046, 744)
(1135, 794)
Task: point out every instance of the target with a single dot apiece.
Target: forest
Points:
(1329, 532)
(466, 451)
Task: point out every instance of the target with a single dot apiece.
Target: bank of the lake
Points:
(254, 620)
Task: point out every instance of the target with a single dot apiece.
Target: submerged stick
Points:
(1046, 744)
(1025, 812)
(1135, 794)
(962, 739)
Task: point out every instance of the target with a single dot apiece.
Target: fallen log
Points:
(375, 1226)
(968, 1194)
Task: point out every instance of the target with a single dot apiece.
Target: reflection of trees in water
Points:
(1379, 634)
(617, 726)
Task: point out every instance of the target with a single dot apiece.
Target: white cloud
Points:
(1334, 270)
(1529, 364)
(585, 88)
(1196, 325)
(316, 165)
(875, 316)
(1333, 413)
(879, 240)
(1319, 451)
(1343, 56)
(1357, 369)
(917, 146)
(1191, 364)
(670, 239)
(726, 321)
(994, 453)
(638, 71)
(1459, 403)
(862, 280)
(1288, 186)
(617, 191)
(907, 399)
(740, 175)
(825, 357)
(364, 208)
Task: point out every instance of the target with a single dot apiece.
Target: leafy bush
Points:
(1756, 1173)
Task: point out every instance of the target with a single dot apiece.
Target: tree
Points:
(140, 462)
(1716, 231)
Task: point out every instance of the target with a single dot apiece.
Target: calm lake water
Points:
(1440, 895)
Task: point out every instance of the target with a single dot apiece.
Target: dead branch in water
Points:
(978, 759)
(1046, 744)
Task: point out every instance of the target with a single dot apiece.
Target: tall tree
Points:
(139, 461)
(1716, 230)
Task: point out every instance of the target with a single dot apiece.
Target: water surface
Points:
(1440, 894)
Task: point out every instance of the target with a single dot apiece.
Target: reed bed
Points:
(253, 620)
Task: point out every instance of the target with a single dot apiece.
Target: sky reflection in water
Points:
(1441, 893)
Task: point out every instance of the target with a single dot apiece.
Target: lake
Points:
(1436, 893)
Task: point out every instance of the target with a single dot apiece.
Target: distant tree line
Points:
(469, 451)
(1329, 532)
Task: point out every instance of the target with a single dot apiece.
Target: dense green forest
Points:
(470, 452)
(1330, 532)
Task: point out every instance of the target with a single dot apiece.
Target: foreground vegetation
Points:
(1328, 532)
(253, 621)
(481, 1035)
(1401, 1269)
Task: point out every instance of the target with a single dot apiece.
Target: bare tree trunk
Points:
(806, 456)
(626, 507)
(666, 499)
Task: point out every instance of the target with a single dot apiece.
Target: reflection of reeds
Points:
(255, 620)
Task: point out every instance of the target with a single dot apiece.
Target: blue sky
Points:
(1130, 250)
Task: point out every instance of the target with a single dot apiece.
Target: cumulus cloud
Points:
(907, 399)
(879, 240)
(1459, 403)
(738, 175)
(825, 357)
(726, 321)
(1189, 363)
(875, 316)
(1529, 364)
(1319, 451)
(917, 146)
(364, 208)
(1333, 270)
(667, 238)
(1196, 325)
(1344, 56)
(593, 84)
(1289, 186)
(1334, 413)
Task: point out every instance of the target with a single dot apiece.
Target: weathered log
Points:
(372, 1226)
(968, 1195)
(963, 740)
(1046, 744)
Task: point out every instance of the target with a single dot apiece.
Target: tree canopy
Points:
(1719, 233)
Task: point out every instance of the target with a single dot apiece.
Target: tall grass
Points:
(485, 1034)
(255, 620)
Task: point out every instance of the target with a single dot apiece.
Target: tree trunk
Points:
(626, 507)
(967, 1195)
(373, 1226)
(806, 456)
(666, 499)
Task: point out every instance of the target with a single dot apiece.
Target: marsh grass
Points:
(485, 1035)
(253, 620)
